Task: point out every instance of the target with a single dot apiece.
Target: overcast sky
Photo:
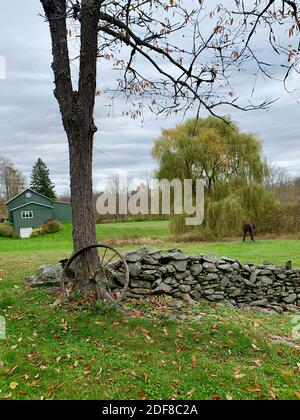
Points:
(31, 125)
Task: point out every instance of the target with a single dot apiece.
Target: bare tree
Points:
(12, 182)
(194, 49)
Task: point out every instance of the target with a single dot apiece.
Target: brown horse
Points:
(249, 227)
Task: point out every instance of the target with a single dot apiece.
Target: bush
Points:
(53, 226)
(40, 231)
(8, 231)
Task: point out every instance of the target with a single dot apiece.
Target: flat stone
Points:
(180, 265)
(185, 288)
(236, 293)
(225, 267)
(196, 269)
(133, 256)
(209, 292)
(216, 297)
(254, 275)
(210, 267)
(47, 275)
(227, 259)
(212, 277)
(135, 269)
(141, 284)
(177, 256)
(270, 267)
(290, 299)
(141, 291)
(249, 283)
(266, 281)
(262, 302)
(210, 258)
(163, 288)
(156, 283)
(196, 295)
(171, 269)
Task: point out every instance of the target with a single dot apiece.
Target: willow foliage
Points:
(231, 163)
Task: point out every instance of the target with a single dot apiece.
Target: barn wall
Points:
(40, 215)
(62, 211)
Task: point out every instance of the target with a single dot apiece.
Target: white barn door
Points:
(25, 232)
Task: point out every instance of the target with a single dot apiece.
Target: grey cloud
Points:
(31, 124)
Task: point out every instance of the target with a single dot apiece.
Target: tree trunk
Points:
(84, 229)
(77, 109)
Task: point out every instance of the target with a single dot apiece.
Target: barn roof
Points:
(35, 192)
(27, 189)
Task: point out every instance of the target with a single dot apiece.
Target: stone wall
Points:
(201, 278)
(213, 279)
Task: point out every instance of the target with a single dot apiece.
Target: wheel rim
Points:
(112, 268)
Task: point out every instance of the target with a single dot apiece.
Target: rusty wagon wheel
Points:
(111, 278)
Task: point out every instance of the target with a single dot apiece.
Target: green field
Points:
(60, 244)
(65, 354)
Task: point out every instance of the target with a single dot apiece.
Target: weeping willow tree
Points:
(231, 163)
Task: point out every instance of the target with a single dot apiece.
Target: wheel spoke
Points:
(116, 274)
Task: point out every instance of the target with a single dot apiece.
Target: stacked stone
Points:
(213, 279)
(199, 278)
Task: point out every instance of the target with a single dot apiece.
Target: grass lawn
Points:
(65, 354)
(276, 251)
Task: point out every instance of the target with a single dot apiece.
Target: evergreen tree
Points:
(40, 180)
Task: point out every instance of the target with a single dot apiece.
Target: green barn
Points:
(29, 210)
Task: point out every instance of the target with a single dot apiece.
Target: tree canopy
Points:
(40, 180)
(210, 149)
(230, 162)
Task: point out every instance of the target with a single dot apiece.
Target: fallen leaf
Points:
(287, 372)
(256, 388)
(216, 397)
(179, 334)
(298, 394)
(13, 385)
(255, 347)
(142, 395)
(194, 362)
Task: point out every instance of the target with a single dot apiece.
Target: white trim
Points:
(28, 189)
(28, 204)
(27, 214)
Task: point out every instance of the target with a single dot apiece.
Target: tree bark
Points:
(84, 228)
(77, 110)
